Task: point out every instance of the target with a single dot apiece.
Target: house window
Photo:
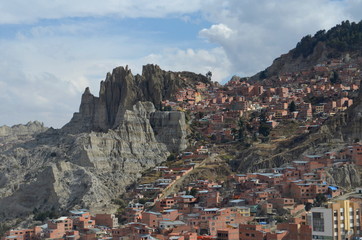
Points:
(318, 221)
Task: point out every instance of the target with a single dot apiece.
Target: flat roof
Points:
(77, 212)
(211, 209)
(170, 210)
(187, 196)
(300, 162)
(314, 156)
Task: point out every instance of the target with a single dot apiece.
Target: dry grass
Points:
(150, 177)
(285, 129)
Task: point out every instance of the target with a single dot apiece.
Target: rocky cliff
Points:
(347, 176)
(121, 90)
(343, 40)
(103, 149)
(21, 131)
(87, 169)
(289, 63)
(166, 126)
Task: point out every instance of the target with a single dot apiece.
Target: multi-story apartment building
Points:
(336, 221)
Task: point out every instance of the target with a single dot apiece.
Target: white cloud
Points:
(253, 33)
(217, 33)
(20, 11)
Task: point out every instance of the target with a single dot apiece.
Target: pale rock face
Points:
(169, 127)
(345, 176)
(18, 131)
(86, 170)
(346, 126)
(102, 150)
(92, 159)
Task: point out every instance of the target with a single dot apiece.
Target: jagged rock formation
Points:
(87, 169)
(346, 176)
(121, 90)
(21, 131)
(102, 150)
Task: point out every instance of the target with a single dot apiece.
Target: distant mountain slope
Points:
(341, 42)
(344, 127)
(311, 50)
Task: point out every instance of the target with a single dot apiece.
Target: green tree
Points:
(262, 116)
(319, 199)
(343, 37)
(292, 107)
(209, 75)
(42, 216)
(335, 78)
(241, 130)
(167, 108)
(172, 157)
(281, 219)
(3, 229)
(200, 115)
(308, 206)
(264, 127)
(193, 192)
(120, 202)
(263, 75)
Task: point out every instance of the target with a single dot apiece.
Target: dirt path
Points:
(175, 186)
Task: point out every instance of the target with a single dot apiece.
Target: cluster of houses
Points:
(340, 219)
(314, 96)
(170, 175)
(80, 224)
(265, 205)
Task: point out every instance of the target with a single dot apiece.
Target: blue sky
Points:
(52, 50)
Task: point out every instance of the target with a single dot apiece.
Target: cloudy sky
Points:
(51, 50)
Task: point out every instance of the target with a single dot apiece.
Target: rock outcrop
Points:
(169, 128)
(346, 176)
(18, 131)
(87, 169)
(345, 126)
(287, 63)
(121, 90)
(102, 150)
